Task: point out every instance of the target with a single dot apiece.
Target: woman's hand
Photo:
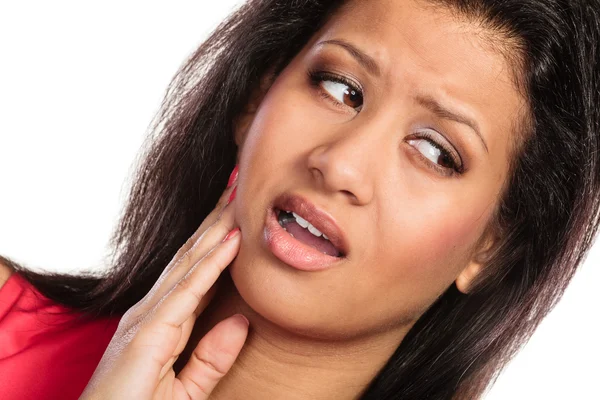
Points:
(138, 362)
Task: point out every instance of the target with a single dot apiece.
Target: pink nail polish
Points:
(233, 176)
(231, 233)
(232, 195)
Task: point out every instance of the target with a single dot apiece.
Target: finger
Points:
(223, 200)
(216, 212)
(191, 251)
(181, 266)
(187, 328)
(162, 330)
(213, 357)
(185, 296)
(210, 219)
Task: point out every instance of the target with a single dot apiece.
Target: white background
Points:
(79, 85)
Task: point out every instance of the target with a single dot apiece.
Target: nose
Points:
(346, 164)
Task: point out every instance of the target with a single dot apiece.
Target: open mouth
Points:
(305, 232)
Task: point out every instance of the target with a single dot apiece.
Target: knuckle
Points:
(128, 333)
(221, 226)
(186, 257)
(186, 285)
(222, 202)
(204, 358)
(226, 210)
(133, 319)
(223, 212)
(126, 329)
(140, 326)
(224, 229)
(219, 216)
(128, 319)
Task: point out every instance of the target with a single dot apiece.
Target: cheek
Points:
(449, 235)
(290, 119)
(274, 142)
(277, 126)
(424, 249)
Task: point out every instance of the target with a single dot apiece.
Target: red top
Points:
(43, 354)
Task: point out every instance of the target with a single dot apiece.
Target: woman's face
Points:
(408, 157)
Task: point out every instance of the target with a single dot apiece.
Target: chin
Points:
(290, 299)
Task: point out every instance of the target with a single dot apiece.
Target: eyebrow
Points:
(428, 102)
(442, 112)
(363, 58)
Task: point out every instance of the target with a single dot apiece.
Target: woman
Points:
(449, 151)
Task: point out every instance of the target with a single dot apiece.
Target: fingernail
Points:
(233, 176)
(232, 195)
(241, 318)
(231, 233)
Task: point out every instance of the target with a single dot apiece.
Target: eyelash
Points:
(457, 168)
(316, 77)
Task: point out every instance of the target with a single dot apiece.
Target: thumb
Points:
(213, 356)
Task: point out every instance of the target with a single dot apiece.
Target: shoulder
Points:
(5, 273)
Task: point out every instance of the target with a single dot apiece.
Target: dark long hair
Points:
(548, 214)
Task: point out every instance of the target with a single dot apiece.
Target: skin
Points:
(412, 230)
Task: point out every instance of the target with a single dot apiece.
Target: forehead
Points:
(422, 49)
(434, 37)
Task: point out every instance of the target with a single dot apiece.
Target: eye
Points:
(437, 156)
(337, 89)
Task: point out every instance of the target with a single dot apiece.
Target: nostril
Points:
(351, 195)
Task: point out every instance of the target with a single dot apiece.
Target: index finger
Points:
(210, 219)
(164, 322)
(181, 265)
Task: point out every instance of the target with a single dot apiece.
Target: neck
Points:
(277, 364)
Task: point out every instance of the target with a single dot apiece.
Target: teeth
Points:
(325, 236)
(314, 230)
(305, 224)
(301, 221)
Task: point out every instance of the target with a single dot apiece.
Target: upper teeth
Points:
(305, 224)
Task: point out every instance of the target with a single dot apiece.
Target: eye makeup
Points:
(452, 164)
(317, 77)
(449, 156)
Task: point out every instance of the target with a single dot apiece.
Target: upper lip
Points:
(318, 217)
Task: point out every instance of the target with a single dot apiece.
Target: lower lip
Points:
(292, 251)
